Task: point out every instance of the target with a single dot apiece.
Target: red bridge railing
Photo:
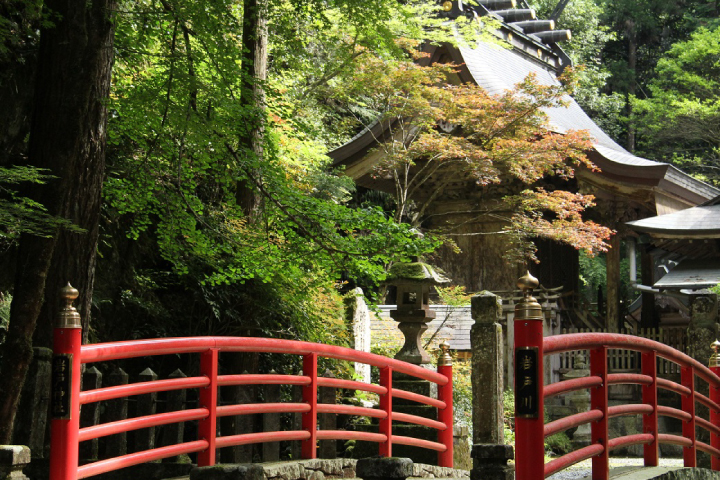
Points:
(530, 427)
(67, 398)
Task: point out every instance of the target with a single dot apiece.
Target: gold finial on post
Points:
(715, 357)
(68, 316)
(529, 308)
(444, 359)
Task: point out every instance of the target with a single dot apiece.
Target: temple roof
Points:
(691, 274)
(661, 187)
(701, 222)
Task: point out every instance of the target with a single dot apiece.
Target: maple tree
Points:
(487, 140)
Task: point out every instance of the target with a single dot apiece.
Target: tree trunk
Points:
(632, 66)
(67, 137)
(613, 321)
(17, 73)
(648, 315)
(254, 67)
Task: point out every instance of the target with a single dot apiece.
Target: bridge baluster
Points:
(650, 397)
(687, 378)
(445, 415)
(385, 426)
(599, 401)
(207, 427)
(309, 419)
(714, 365)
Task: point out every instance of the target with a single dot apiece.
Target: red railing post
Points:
(529, 404)
(687, 379)
(207, 427)
(65, 390)
(308, 449)
(445, 415)
(714, 365)
(385, 425)
(650, 397)
(599, 401)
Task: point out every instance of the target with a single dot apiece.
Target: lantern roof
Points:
(416, 272)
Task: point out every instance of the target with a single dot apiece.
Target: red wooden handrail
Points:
(168, 346)
(140, 388)
(66, 432)
(530, 392)
(600, 412)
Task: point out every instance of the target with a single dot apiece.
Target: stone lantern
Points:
(413, 281)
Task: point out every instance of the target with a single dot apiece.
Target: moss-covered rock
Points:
(416, 272)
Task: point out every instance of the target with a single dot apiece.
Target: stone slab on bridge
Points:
(659, 473)
(316, 469)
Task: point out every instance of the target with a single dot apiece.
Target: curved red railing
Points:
(66, 432)
(532, 430)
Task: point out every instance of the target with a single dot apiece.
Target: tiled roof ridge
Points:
(532, 37)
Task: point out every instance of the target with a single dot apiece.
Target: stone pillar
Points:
(30, 425)
(327, 421)
(385, 468)
(296, 421)
(461, 448)
(579, 401)
(490, 463)
(172, 434)
(90, 415)
(702, 332)
(486, 341)
(239, 424)
(490, 455)
(271, 422)
(117, 409)
(146, 405)
(361, 331)
(13, 458)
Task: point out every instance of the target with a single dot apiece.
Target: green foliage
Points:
(500, 143)
(5, 301)
(20, 21)
(20, 214)
(462, 394)
(454, 296)
(558, 444)
(589, 37)
(509, 417)
(679, 119)
(177, 160)
(593, 275)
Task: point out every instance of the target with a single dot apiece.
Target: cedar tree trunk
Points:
(632, 86)
(254, 67)
(67, 137)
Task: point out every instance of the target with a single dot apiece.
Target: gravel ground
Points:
(583, 469)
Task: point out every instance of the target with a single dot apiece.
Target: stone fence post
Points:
(13, 458)
(486, 341)
(490, 454)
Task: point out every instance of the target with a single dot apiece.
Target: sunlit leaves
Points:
(680, 119)
(176, 155)
(498, 139)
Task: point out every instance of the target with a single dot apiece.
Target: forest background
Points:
(168, 156)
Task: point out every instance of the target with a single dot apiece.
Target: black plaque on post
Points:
(61, 385)
(527, 392)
